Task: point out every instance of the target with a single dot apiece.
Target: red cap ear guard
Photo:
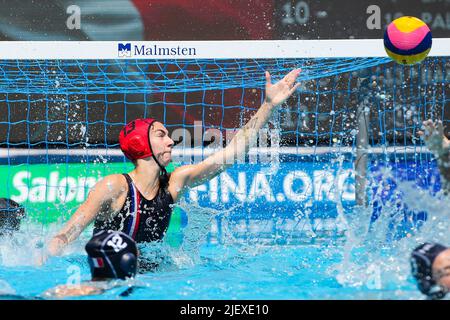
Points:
(134, 139)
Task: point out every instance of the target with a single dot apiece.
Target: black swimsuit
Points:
(143, 220)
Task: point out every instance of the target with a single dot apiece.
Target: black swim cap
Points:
(11, 213)
(111, 255)
(422, 259)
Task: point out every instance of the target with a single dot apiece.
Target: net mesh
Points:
(56, 107)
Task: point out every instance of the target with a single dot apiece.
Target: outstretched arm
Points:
(99, 201)
(433, 135)
(64, 291)
(438, 144)
(193, 175)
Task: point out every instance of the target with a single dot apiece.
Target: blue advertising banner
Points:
(301, 195)
(306, 196)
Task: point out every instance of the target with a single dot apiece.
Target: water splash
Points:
(376, 253)
(23, 248)
(6, 288)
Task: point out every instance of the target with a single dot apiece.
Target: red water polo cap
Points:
(134, 139)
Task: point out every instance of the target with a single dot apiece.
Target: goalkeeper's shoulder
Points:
(110, 187)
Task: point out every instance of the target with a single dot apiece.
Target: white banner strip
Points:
(177, 152)
(252, 49)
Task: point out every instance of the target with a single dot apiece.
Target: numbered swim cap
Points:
(112, 255)
(422, 259)
(134, 139)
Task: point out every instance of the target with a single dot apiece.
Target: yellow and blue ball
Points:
(407, 40)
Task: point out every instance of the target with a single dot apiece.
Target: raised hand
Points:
(277, 93)
(433, 135)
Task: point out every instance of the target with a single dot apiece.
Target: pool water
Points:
(294, 272)
(232, 272)
(361, 263)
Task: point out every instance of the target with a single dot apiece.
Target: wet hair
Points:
(11, 214)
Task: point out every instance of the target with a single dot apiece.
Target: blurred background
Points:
(159, 20)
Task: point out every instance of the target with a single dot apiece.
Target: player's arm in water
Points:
(86, 289)
(101, 201)
(189, 176)
(439, 145)
(64, 291)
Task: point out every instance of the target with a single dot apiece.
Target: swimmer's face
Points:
(161, 143)
(441, 269)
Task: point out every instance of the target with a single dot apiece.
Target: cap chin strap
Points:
(437, 292)
(163, 172)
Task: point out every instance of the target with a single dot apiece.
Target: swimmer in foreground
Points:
(430, 266)
(140, 203)
(112, 255)
(439, 145)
